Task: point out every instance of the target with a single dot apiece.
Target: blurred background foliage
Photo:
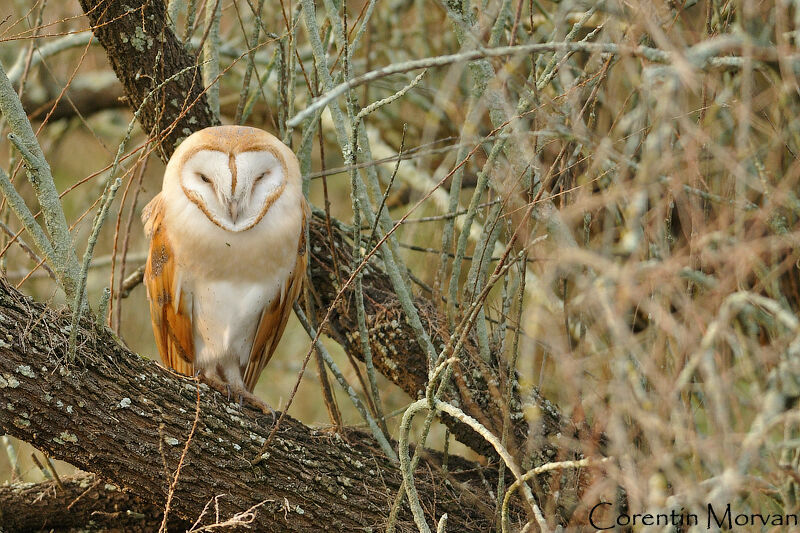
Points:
(661, 284)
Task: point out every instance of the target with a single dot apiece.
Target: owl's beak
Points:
(233, 209)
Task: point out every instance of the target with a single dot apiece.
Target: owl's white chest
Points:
(230, 278)
(225, 316)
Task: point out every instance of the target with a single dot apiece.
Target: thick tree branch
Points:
(396, 353)
(83, 499)
(143, 52)
(127, 419)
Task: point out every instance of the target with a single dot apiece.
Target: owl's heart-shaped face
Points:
(234, 190)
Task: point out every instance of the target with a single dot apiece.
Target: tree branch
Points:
(91, 94)
(127, 419)
(143, 52)
(58, 249)
(84, 499)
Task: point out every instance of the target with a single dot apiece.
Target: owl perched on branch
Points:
(227, 253)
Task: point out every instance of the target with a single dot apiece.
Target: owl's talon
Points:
(272, 412)
(256, 402)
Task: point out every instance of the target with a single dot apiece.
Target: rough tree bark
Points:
(144, 52)
(80, 501)
(128, 420)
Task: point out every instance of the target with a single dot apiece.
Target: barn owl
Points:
(227, 253)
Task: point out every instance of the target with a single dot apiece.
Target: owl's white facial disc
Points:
(260, 179)
(233, 191)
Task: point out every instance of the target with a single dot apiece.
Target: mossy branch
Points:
(58, 247)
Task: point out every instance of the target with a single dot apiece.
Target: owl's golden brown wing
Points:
(170, 309)
(274, 316)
